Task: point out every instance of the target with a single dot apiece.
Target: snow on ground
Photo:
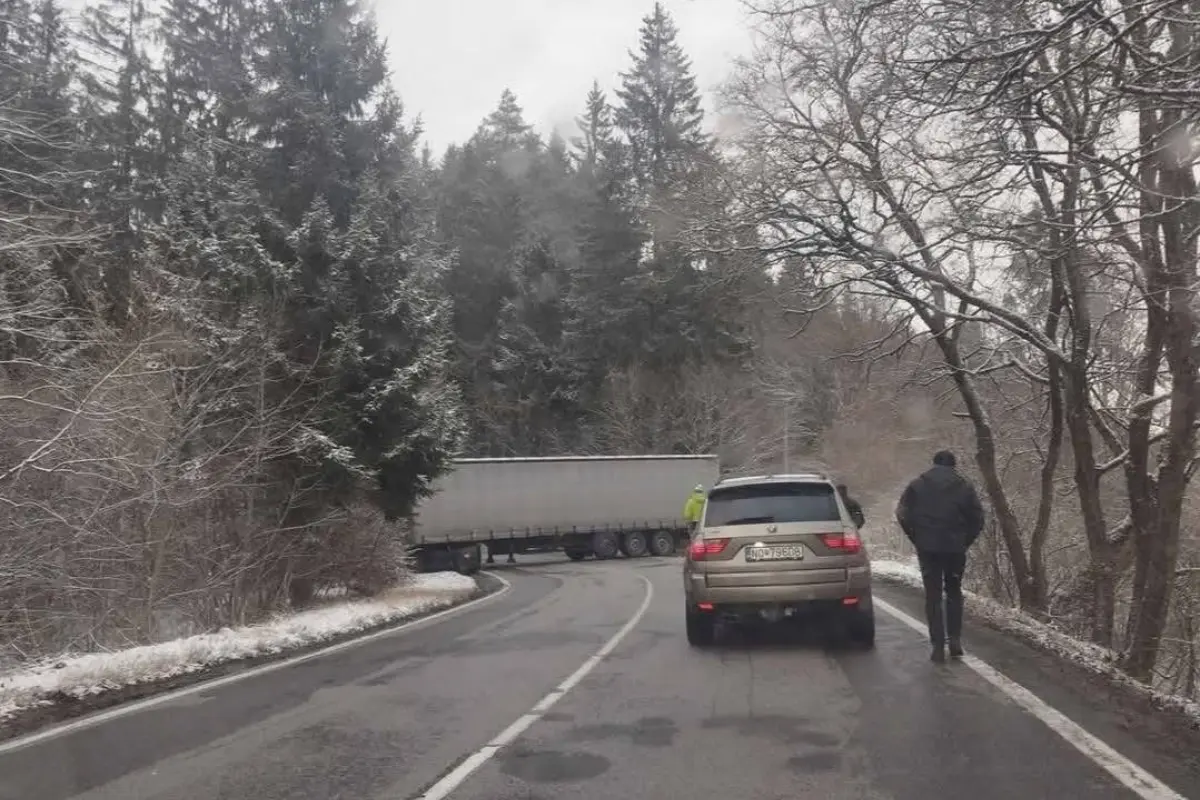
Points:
(1095, 659)
(94, 673)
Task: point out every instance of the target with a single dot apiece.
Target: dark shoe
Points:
(956, 650)
(938, 656)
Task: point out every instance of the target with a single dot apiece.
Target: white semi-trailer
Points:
(583, 505)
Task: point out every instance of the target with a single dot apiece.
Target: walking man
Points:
(941, 515)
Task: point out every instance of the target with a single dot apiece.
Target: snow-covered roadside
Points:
(91, 674)
(1095, 659)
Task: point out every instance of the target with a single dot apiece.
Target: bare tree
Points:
(913, 150)
(840, 173)
(705, 411)
(1106, 147)
(151, 490)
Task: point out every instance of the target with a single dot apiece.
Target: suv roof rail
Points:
(768, 476)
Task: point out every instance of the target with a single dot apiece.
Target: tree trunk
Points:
(1170, 299)
(985, 459)
(1054, 401)
(1156, 547)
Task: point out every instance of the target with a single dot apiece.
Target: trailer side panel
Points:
(484, 499)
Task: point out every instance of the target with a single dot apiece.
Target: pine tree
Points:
(481, 221)
(16, 44)
(120, 92)
(298, 211)
(660, 110)
(480, 217)
(688, 312)
(505, 127)
(537, 376)
(322, 64)
(37, 146)
(516, 213)
(39, 184)
(602, 295)
(360, 300)
(596, 129)
(209, 84)
(398, 411)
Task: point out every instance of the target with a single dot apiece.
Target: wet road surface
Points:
(756, 717)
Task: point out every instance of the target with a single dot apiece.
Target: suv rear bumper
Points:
(815, 609)
(857, 584)
(736, 601)
(768, 595)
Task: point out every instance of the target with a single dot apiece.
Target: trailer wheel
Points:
(576, 555)
(467, 559)
(662, 543)
(604, 544)
(422, 561)
(634, 545)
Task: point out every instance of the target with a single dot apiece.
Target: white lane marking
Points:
(456, 776)
(1129, 774)
(166, 697)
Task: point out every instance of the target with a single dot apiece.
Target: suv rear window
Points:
(771, 502)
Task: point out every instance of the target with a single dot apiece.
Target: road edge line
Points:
(1125, 771)
(125, 709)
(445, 785)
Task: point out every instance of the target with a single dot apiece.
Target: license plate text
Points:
(783, 552)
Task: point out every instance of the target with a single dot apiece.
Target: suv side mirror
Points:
(859, 518)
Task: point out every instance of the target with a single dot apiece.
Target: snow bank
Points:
(897, 572)
(84, 675)
(1093, 658)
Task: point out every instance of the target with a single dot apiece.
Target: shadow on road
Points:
(812, 634)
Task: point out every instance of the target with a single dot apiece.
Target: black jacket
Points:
(940, 512)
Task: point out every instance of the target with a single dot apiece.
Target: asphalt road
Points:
(752, 718)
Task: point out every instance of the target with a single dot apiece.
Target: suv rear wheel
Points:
(861, 627)
(701, 628)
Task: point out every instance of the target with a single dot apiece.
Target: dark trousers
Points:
(943, 571)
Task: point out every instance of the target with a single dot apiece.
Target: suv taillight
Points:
(703, 548)
(847, 543)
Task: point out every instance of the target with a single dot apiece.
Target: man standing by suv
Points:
(853, 507)
(941, 515)
(693, 509)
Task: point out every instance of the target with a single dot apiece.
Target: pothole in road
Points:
(786, 729)
(820, 761)
(551, 766)
(648, 731)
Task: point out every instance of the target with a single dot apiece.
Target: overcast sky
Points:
(451, 59)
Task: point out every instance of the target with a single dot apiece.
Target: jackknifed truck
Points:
(601, 506)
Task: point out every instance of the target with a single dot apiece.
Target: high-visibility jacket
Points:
(693, 509)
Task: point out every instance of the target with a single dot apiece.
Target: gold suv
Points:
(773, 547)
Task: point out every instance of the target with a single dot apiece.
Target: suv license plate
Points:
(783, 552)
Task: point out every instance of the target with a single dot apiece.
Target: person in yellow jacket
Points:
(693, 509)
